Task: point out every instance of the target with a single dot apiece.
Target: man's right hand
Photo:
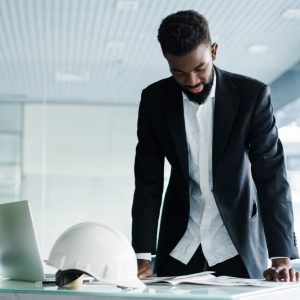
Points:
(144, 269)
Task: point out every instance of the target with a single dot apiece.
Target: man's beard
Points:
(200, 97)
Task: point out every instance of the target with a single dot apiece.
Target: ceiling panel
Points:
(94, 52)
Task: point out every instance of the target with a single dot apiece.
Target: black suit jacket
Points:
(249, 177)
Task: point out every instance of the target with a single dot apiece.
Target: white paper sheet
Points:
(207, 278)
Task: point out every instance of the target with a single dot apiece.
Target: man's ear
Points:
(213, 50)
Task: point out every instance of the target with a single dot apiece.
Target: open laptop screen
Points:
(19, 254)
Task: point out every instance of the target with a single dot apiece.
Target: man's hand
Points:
(281, 270)
(144, 269)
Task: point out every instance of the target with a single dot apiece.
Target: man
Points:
(227, 207)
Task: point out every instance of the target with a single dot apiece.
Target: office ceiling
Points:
(105, 51)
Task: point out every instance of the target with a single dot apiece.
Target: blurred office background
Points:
(71, 74)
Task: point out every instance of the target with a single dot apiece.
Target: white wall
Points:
(78, 166)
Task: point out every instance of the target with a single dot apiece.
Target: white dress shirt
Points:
(205, 225)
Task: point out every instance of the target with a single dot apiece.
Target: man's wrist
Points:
(281, 261)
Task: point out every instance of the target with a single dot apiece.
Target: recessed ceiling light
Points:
(127, 5)
(258, 49)
(291, 13)
(71, 76)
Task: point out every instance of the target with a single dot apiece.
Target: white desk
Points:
(29, 291)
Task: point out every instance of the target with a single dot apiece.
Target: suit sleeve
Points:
(269, 174)
(149, 177)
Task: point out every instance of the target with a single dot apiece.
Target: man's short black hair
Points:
(182, 32)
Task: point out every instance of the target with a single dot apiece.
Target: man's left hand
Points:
(281, 270)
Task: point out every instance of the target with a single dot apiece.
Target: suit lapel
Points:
(175, 120)
(226, 103)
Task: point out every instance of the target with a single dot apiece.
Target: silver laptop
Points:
(19, 254)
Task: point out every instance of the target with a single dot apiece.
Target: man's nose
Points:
(191, 79)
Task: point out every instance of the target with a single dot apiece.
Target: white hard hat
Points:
(99, 251)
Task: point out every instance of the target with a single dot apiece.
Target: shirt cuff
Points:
(146, 256)
(278, 257)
